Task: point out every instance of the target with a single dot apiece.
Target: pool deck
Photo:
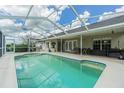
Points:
(112, 76)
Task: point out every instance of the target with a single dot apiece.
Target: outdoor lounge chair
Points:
(116, 53)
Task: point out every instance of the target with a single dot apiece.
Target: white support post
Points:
(80, 44)
(49, 46)
(31, 47)
(29, 44)
(56, 45)
(14, 46)
(61, 45)
(2, 44)
(5, 46)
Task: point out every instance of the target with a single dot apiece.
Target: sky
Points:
(67, 15)
(63, 16)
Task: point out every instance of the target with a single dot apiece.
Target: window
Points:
(48, 44)
(53, 44)
(70, 45)
(66, 45)
(74, 44)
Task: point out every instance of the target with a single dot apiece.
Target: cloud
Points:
(76, 23)
(40, 11)
(85, 14)
(111, 14)
(105, 16)
(61, 7)
(37, 10)
(14, 10)
(4, 22)
(120, 9)
(55, 17)
(17, 10)
(45, 11)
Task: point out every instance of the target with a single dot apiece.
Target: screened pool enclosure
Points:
(24, 27)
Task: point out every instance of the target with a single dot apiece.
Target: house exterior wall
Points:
(87, 42)
(76, 38)
(58, 44)
(2, 44)
(72, 39)
(117, 40)
(50, 45)
(55, 47)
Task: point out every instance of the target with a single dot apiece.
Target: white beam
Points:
(27, 15)
(33, 18)
(46, 30)
(61, 45)
(53, 12)
(81, 44)
(36, 17)
(81, 20)
(54, 23)
(29, 44)
(105, 29)
(40, 34)
(56, 45)
(56, 26)
(22, 17)
(5, 44)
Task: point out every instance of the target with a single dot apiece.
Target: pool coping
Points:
(111, 77)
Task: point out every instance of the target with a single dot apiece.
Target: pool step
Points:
(91, 65)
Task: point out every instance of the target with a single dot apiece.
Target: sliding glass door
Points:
(106, 45)
(102, 45)
(96, 44)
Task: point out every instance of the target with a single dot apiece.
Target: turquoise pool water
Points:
(48, 71)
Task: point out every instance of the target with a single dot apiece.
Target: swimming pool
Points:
(50, 71)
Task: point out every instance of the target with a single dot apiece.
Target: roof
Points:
(108, 22)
